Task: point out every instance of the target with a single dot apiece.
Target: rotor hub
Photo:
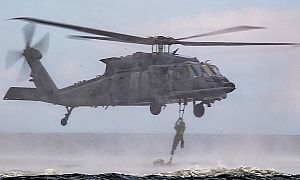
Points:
(163, 40)
(32, 53)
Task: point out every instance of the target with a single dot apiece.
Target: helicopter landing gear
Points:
(181, 109)
(64, 120)
(155, 108)
(198, 109)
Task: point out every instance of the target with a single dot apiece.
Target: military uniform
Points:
(180, 128)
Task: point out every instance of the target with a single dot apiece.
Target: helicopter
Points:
(153, 79)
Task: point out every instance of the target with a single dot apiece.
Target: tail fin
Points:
(40, 76)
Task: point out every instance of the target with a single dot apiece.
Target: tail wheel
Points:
(199, 110)
(155, 108)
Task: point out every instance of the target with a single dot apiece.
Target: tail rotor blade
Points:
(12, 57)
(24, 72)
(43, 44)
(28, 31)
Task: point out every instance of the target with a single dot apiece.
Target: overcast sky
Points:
(267, 97)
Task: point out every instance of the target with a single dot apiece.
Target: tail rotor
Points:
(29, 53)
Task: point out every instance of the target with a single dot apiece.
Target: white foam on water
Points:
(52, 154)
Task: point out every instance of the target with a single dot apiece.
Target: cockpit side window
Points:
(196, 70)
(188, 71)
(191, 71)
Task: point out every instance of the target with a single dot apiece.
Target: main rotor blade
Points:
(186, 43)
(101, 38)
(117, 36)
(224, 31)
(43, 44)
(24, 72)
(113, 36)
(12, 57)
(28, 31)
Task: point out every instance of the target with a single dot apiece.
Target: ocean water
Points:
(133, 154)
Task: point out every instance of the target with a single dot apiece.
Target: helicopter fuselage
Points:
(148, 79)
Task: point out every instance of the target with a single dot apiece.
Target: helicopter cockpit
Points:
(191, 70)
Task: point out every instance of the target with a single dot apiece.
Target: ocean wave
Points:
(218, 173)
(22, 173)
(240, 171)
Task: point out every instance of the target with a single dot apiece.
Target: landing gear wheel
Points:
(155, 108)
(64, 121)
(199, 110)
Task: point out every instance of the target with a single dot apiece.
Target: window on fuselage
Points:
(160, 75)
(164, 74)
(182, 72)
(134, 80)
(145, 79)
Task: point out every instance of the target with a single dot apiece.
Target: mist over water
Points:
(135, 153)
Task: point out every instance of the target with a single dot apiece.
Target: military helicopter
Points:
(152, 79)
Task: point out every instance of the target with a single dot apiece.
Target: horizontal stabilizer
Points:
(19, 93)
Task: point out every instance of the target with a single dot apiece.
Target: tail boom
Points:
(29, 94)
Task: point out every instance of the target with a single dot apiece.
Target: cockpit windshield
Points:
(211, 70)
(215, 70)
(207, 69)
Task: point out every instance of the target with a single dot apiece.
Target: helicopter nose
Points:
(230, 86)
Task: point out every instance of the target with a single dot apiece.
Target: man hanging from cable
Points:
(180, 128)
